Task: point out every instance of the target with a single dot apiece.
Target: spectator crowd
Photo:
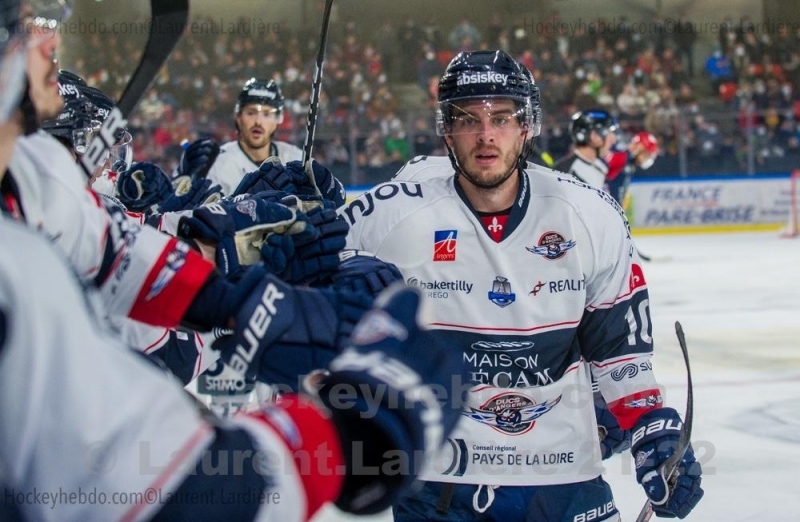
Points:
(733, 110)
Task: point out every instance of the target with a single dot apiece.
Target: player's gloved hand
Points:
(272, 317)
(330, 187)
(198, 158)
(362, 272)
(311, 254)
(613, 439)
(653, 440)
(399, 384)
(237, 229)
(270, 176)
(190, 194)
(143, 187)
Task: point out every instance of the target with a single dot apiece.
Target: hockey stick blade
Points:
(169, 18)
(313, 106)
(670, 465)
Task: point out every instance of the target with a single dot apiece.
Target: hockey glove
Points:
(270, 176)
(311, 254)
(143, 187)
(237, 229)
(362, 272)
(613, 439)
(198, 158)
(391, 395)
(653, 440)
(330, 187)
(272, 317)
(190, 194)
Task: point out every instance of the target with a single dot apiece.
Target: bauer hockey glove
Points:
(143, 187)
(270, 176)
(312, 254)
(362, 272)
(395, 394)
(197, 158)
(271, 317)
(237, 229)
(188, 194)
(654, 438)
(330, 187)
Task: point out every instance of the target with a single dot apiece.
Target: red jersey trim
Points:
(171, 285)
(628, 409)
(314, 444)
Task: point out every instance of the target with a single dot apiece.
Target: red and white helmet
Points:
(649, 145)
(648, 141)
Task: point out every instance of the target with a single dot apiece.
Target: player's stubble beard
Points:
(507, 159)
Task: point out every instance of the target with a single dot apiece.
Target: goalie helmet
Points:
(263, 92)
(482, 75)
(584, 122)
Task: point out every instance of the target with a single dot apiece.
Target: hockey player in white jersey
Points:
(538, 287)
(141, 273)
(258, 112)
(592, 132)
(89, 449)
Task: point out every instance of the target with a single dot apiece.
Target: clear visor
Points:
(12, 72)
(472, 116)
(116, 159)
(252, 110)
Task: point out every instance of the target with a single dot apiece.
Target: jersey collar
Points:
(518, 209)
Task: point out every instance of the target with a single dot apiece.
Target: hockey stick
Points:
(313, 106)
(670, 465)
(169, 18)
(656, 259)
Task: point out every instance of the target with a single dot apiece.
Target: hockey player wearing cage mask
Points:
(538, 288)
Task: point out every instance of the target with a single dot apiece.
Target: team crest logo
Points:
(444, 245)
(511, 413)
(501, 294)
(552, 246)
(650, 401)
(247, 206)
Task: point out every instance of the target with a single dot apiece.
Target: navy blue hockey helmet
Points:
(536, 125)
(263, 92)
(482, 75)
(84, 110)
(584, 122)
(74, 125)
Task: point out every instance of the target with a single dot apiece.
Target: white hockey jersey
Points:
(141, 272)
(93, 432)
(232, 163)
(560, 296)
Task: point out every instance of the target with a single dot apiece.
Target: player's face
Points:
(42, 69)
(257, 123)
(486, 138)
